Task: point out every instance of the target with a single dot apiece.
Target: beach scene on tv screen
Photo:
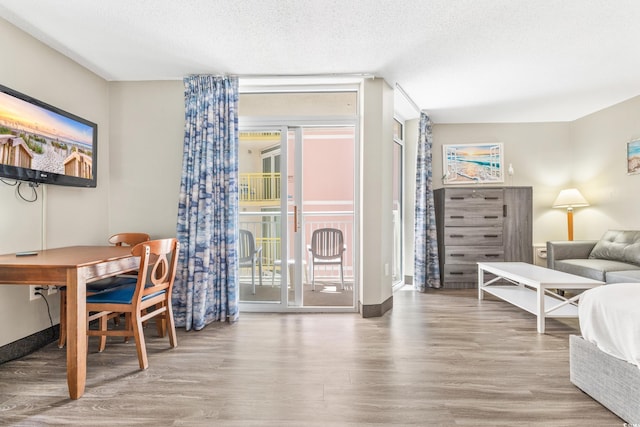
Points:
(36, 138)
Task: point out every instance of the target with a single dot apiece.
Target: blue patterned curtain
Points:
(206, 287)
(426, 269)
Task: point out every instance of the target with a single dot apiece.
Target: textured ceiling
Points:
(460, 60)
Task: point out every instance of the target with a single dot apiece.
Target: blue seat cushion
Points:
(120, 295)
(108, 283)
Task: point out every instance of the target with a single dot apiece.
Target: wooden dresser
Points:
(481, 224)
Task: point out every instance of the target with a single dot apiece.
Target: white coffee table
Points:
(529, 288)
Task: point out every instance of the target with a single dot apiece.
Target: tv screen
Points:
(44, 144)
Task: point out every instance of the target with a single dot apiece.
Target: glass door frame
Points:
(284, 125)
(399, 142)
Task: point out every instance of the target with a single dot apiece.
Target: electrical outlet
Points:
(44, 290)
(32, 292)
(52, 290)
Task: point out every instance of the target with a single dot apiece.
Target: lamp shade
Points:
(570, 198)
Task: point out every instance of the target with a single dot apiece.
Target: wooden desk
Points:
(72, 267)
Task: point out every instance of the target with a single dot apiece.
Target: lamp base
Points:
(570, 223)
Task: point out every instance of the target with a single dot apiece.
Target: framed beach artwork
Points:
(633, 157)
(481, 163)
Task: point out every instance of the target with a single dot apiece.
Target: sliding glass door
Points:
(260, 213)
(307, 173)
(323, 203)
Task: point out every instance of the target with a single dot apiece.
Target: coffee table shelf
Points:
(526, 299)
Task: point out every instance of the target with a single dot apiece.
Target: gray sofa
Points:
(615, 258)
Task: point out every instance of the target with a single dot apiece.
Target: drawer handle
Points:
(457, 198)
(491, 198)
(458, 255)
(490, 216)
(456, 216)
(493, 236)
(456, 273)
(456, 236)
(492, 255)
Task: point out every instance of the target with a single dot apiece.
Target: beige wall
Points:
(598, 151)
(62, 215)
(376, 204)
(147, 132)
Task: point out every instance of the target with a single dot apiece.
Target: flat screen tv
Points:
(43, 144)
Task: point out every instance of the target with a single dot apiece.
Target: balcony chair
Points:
(148, 297)
(327, 248)
(249, 255)
(127, 239)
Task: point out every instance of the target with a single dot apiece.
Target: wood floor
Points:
(437, 359)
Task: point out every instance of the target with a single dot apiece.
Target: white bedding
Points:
(610, 318)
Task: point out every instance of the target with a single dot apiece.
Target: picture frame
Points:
(633, 157)
(481, 163)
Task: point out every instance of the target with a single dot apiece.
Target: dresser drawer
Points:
(481, 198)
(491, 217)
(462, 276)
(471, 255)
(474, 207)
(473, 236)
(459, 273)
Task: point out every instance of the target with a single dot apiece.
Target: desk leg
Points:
(541, 313)
(76, 333)
(480, 282)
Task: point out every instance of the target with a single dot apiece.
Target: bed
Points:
(605, 360)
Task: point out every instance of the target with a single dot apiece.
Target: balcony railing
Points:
(259, 187)
(265, 227)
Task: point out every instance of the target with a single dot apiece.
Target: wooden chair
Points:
(327, 248)
(149, 297)
(127, 239)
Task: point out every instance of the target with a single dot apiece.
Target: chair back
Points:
(128, 239)
(327, 243)
(246, 247)
(157, 272)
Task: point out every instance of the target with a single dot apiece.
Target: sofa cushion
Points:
(618, 245)
(628, 276)
(592, 268)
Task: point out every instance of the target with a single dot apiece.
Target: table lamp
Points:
(570, 198)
